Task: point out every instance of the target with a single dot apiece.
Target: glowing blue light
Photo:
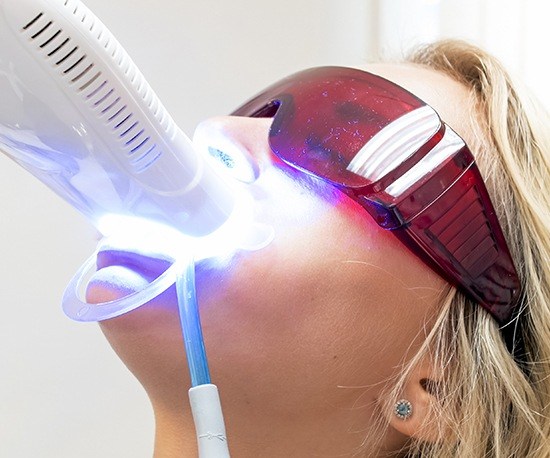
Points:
(133, 234)
(238, 232)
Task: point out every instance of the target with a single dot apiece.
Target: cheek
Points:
(333, 300)
(317, 293)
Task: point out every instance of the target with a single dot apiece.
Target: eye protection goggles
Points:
(391, 153)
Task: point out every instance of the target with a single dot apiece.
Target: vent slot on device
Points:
(134, 137)
(123, 121)
(90, 81)
(51, 53)
(145, 161)
(49, 40)
(102, 99)
(75, 64)
(134, 140)
(116, 114)
(111, 105)
(82, 73)
(136, 148)
(63, 59)
(41, 30)
(96, 90)
(129, 129)
(33, 21)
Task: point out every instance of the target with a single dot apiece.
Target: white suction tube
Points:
(76, 112)
(209, 424)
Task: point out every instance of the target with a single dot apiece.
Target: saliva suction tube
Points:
(77, 114)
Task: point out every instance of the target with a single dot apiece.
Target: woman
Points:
(336, 340)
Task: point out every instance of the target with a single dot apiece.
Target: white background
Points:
(63, 392)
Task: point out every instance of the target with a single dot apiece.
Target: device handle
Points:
(209, 424)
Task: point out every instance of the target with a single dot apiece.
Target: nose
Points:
(239, 143)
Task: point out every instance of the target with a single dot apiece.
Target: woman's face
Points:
(303, 334)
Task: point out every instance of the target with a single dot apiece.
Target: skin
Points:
(302, 335)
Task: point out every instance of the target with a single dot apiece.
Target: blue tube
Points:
(191, 326)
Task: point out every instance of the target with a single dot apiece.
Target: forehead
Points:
(447, 96)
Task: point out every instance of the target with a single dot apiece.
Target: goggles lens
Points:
(391, 152)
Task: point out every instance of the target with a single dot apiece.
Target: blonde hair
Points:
(491, 401)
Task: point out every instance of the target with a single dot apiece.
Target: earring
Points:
(403, 409)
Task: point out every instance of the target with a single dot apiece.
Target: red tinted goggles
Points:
(390, 152)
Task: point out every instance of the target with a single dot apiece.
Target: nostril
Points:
(222, 157)
(224, 142)
(237, 163)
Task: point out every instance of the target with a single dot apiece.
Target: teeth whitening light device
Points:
(76, 112)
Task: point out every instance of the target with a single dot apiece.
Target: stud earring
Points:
(403, 409)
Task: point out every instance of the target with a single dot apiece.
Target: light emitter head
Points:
(76, 112)
(136, 235)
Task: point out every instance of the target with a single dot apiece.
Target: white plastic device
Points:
(208, 419)
(77, 113)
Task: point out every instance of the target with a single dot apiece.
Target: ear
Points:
(425, 423)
